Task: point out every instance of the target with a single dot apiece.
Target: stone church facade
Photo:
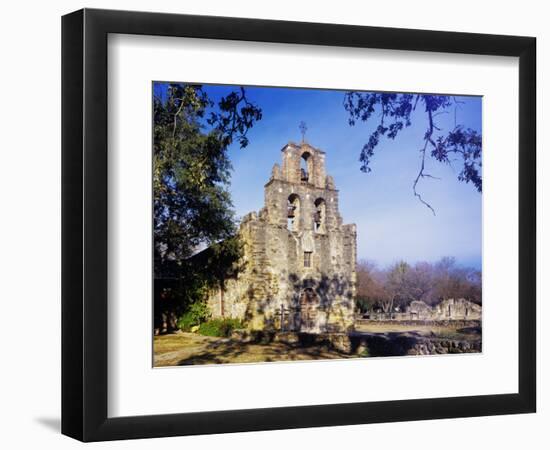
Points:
(299, 265)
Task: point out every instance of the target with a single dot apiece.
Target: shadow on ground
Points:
(265, 349)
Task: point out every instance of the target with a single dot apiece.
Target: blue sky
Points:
(392, 224)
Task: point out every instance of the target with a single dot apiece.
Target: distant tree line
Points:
(396, 286)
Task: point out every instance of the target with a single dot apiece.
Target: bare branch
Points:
(427, 175)
(422, 175)
(428, 140)
(457, 105)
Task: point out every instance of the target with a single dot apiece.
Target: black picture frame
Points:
(84, 224)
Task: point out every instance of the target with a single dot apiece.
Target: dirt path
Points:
(186, 348)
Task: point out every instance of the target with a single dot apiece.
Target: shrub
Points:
(220, 327)
(186, 321)
(196, 314)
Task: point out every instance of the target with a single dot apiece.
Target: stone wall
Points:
(367, 344)
(450, 309)
(459, 309)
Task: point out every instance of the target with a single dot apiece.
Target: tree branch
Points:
(421, 174)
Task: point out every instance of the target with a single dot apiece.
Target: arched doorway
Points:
(309, 310)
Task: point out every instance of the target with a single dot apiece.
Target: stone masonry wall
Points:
(449, 309)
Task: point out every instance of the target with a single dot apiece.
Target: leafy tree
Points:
(395, 111)
(191, 170)
(191, 174)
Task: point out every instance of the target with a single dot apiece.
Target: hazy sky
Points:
(391, 223)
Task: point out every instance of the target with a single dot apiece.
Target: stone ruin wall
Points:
(459, 309)
(450, 309)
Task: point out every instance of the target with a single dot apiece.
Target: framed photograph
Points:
(273, 225)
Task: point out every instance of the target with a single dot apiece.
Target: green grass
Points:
(219, 327)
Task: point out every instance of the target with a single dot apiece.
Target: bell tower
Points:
(300, 196)
(304, 164)
(300, 257)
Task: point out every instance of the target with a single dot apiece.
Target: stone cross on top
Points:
(303, 129)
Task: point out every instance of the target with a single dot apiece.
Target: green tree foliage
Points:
(395, 111)
(191, 174)
(191, 170)
(196, 314)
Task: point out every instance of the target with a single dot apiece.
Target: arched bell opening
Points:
(306, 167)
(293, 212)
(319, 215)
